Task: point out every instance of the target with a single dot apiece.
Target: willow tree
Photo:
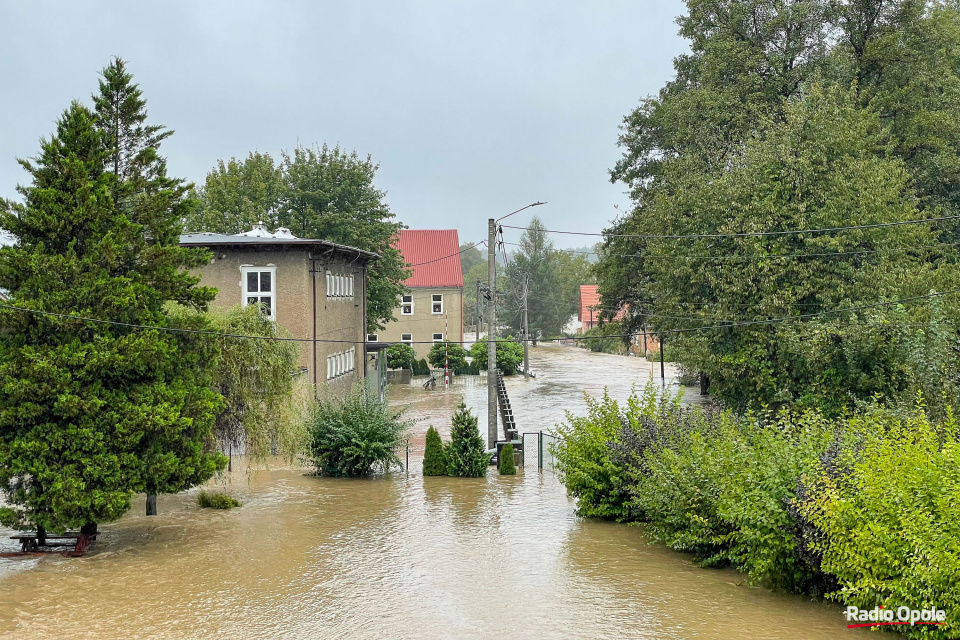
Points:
(267, 398)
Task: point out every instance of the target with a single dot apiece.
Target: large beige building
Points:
(314, 289)
(433, 310)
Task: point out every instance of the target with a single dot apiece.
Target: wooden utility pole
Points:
(663, 377)
(477, 326)
(492, 335)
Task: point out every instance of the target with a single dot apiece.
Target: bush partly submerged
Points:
(216, 500)
(355, 436)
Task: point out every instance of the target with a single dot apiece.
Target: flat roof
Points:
(221, 239)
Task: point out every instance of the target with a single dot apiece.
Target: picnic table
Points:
(30, 540)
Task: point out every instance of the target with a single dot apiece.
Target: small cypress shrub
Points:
(421, 368)
(507, 465)
(466, 455)
(434, 456)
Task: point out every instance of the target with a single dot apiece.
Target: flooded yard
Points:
(401, 556)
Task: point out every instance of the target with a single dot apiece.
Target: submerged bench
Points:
(30, 540)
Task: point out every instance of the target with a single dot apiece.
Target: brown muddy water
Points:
(401, 556)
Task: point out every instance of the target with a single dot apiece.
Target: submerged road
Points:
(402, 556)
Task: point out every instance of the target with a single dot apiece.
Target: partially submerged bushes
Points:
(865, 510)
(216, 500)
(464, 456)
(355, 436)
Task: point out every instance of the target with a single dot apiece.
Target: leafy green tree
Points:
(239, 194)
(401, 356)
(92, 412)
(807, 170)
(573, 270)
(448, 354)
(470, 256)
(434, 455)
(316, 192)
(466, 454)
(509, 355)
(507, 465)
(477, 272)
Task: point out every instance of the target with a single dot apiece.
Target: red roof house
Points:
(433, 310)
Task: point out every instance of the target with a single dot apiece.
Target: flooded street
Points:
(401, 556)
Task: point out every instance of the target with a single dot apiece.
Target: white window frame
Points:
(329, 284)
(435, 337)
(350, 285)
(403, 303)
(373, 337)
(408, 339)
(273, 287)
(433, 301)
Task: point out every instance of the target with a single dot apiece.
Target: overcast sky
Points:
(472, 109)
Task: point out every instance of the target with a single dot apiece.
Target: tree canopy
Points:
(783, 116)
(92, 412)
(317, 192)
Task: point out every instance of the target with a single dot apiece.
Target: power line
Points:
(758, 256)
(452, 255)
(309, 340)
(741, 234)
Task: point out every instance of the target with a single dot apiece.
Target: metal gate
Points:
(538, 449)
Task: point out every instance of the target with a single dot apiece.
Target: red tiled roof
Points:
(435, 253)
(588, 298)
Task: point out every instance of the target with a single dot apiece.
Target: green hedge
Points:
(864, 510)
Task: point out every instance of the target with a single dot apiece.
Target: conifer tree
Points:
(507, 465)
(91, 412)
(466, 455)
(434, 456)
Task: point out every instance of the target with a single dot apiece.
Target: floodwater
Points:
(401, 556)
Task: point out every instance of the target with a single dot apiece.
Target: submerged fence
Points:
(538, 450)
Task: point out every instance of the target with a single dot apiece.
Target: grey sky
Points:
(472, 109)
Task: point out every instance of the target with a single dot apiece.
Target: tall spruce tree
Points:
(91, 412)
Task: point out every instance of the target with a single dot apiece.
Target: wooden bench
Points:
(30, 541)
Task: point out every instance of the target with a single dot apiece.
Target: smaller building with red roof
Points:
(433, 310)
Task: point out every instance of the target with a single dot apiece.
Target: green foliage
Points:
(434, 455)
(450, 354)
(598, 339)
(466, 453)
(421, 368)
(91, 413)
(216, 500)
(507, 465)
(401, 356)
(534, 263)
(509, 355)
(266, 402)
(888, 517)
(776, 120)
(355, 436)
(316, 192)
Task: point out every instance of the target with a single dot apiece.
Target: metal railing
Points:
(538, 445)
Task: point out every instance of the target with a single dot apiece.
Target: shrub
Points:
(888, 513)
(604, 338)
(421, 368)
(216, 500)
(355, 436)
(401, 356)
(507, 465)
(466, 454)
(509, 355)
(447, 353)
(434, 455)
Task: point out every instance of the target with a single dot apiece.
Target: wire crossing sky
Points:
(472, 109)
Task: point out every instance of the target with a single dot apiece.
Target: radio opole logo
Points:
(878, 616)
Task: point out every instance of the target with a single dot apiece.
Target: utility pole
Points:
(492, 335)
(663, 376)
(477, 326)
(526, 329)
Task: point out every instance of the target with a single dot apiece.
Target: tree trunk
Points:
(704, 383)
(41, 536)
(151, 504)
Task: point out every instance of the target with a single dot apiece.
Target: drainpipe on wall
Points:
(313, 276)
